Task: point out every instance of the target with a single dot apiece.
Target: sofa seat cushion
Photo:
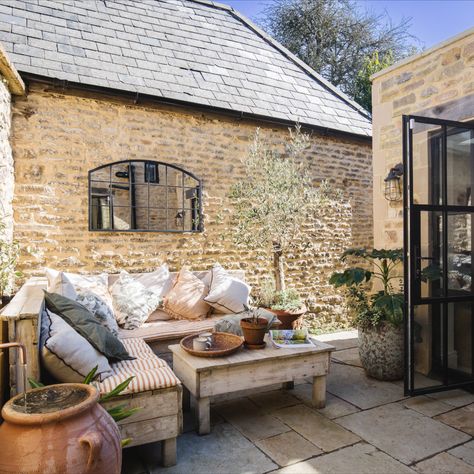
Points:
(172, 329)
(149, 371)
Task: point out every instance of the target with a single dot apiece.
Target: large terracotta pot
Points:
(288, 318)
(381, 352)
(64, 431)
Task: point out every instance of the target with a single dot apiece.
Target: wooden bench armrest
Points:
(27, 303)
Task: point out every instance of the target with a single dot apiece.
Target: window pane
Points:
(459, 253)
(121, 216)
(460, 165)
(427, 338)
(158, 219)
(157, 196)
(427, 153)
(430, 260)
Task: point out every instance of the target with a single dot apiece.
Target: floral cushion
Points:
(99, 308)
(133, 303)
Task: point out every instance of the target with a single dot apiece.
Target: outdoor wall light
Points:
(393, 185)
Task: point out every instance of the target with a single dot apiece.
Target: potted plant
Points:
(9, 252)
(378, 312)
(272, 206)
(254, 327)
(286, 304)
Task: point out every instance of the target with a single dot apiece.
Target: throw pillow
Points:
(82, 320)
(133, 303)
(68, 356)
(160, 281)
(97, 284)
(59, 283)
(227, 294)
(99, 308)
(185, 299)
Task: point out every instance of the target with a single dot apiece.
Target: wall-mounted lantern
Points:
(393, 184)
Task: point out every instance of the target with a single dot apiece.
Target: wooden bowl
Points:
(223, 344)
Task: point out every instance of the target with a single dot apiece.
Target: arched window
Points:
(144, 196)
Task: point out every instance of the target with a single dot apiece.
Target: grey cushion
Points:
(84, 322)
(231, 322)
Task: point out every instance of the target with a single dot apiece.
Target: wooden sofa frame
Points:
(160, 417)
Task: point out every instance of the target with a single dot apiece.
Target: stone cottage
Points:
(423, 112)
(179, 86)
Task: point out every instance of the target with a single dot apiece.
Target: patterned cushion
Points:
(149, 371)
(99, 308)
(133, 303)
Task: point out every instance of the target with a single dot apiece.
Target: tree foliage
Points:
(274, 202)
(363, 85)
(336, 38)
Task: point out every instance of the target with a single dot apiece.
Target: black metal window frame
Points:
(151, 178)
(411, 213)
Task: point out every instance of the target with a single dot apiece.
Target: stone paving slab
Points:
(275, 399)
(426, 405)
(444, 463)
(404, 434)
(348, 356)
(250, 420)
(340, 340)
(461, 419)
(288, 448)
(224, 450)
(335, 406)
(352, 385)
(357, 459)
(456, 398)
(464, 452)
(316, 428)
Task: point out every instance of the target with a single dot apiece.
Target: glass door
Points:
(438, 220)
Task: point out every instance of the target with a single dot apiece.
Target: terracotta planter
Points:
(381, 352)
(65, 431)
(254, 332)
(288, 318)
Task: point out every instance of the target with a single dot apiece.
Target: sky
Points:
(433, 21)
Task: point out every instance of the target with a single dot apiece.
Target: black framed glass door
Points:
(438, 158)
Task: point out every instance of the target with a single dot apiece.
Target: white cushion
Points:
(133, 303)
(91, 291)
(67, 355)
(227, 294)
(160, 281)
(59, 283)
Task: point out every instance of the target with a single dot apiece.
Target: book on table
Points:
(290, 338)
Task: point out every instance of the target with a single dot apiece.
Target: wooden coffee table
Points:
(246, 369)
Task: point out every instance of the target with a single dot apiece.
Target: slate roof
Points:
(191, 50)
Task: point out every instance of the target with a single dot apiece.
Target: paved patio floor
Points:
(367, 427)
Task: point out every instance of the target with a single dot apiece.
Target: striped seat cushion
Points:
(149, 371)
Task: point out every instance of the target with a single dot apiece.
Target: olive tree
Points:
(274, 202)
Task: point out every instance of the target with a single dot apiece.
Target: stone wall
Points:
(58, 138)
(437, 83)
(6, 162)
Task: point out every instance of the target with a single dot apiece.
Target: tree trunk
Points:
(278, 268)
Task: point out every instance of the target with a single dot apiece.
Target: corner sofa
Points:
(155, 388)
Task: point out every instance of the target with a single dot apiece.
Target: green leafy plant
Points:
(283, 300)
(372, 308)
(9, 253)
(119, 412)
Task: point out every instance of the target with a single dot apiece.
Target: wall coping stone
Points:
(8, 71)
(423, 54)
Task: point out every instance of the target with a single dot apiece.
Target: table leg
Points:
(319, 391)
(186, 399)
(168, 452)
(203, 412)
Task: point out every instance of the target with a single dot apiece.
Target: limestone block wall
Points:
(6, 161)
(437, 83)
(58, 137)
